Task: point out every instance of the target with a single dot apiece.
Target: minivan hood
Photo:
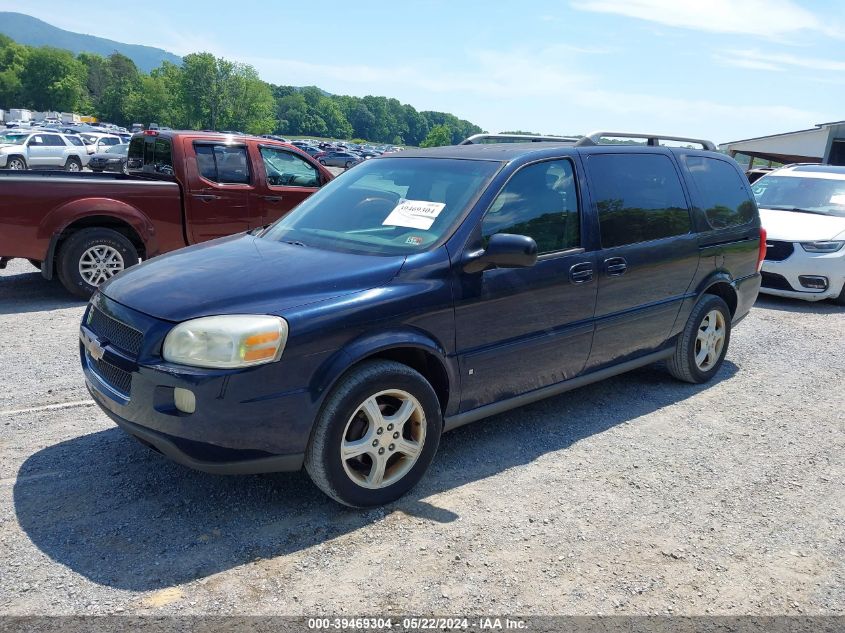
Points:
(245, 274)
(793, 226)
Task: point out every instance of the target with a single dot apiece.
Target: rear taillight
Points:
(761, 255)
(151, 132)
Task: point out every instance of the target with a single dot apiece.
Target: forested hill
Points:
(202, 91)
(31, 31)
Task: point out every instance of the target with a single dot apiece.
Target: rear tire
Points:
(91, 256)
(349, 164)
(701, 347)
(322, 162)
(387, 417)
(73, 165)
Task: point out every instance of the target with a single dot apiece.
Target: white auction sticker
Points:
(415, 214)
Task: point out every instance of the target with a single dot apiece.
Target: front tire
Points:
(91, 256)
(840, 300)
(701, 347)
(376, 435)
(16, 163)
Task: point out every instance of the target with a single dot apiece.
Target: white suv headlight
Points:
(821, 247)
(223, 342)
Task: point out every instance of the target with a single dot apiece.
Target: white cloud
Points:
(758, 60)
(765, 18)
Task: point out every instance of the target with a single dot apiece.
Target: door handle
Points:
(615, 266)
(581, 273)
(273, 198)
(206, 197)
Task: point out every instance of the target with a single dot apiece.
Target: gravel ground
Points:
(638, 495)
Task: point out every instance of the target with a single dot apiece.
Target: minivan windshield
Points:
(824, 196)
(387, 206)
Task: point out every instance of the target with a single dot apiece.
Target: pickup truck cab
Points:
(183, 188)
(419, 292)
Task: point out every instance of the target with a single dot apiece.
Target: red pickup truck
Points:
(183, 188)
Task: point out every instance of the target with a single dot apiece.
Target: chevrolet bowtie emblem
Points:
(93, 347)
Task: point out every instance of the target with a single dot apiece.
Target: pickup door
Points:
(234, 186)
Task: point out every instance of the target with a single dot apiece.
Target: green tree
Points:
(52, 80)
(439, 135)
(13, 57)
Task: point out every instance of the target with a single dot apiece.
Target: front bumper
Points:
(246, 421)
(783, 276)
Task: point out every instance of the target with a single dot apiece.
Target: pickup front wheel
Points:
(91, 256)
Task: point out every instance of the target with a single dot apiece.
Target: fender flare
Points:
(372, 343)
(55, 223)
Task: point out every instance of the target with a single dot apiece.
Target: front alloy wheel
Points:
(376, 434)
(383, 439)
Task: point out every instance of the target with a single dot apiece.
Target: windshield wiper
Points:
(295, 243)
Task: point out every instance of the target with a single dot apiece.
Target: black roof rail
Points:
(594, 138)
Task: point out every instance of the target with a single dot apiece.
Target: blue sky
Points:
(720, 69)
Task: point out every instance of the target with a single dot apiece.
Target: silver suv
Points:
(41, 150)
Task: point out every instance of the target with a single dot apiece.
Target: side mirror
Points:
(503, 251)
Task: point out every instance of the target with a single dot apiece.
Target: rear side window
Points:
(53, 140)
(225, 164)
(721, 192)
(162, 155)
(539, 201)
(639, 198)
(75, 140)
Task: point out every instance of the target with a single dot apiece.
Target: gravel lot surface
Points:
(637, 495)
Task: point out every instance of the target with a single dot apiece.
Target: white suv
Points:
(40, 150)
(802, 208)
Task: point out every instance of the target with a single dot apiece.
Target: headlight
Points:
(821, 247)
(223, 342)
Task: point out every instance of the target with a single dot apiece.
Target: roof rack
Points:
(594, 138)
(516, 138)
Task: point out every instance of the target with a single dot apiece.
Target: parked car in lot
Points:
(339, 159)
(21, 150)
(183, 188)
(803, 210)
(97, 142)
(111, 159)
(421, 292)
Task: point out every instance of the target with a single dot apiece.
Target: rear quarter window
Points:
(721, 191)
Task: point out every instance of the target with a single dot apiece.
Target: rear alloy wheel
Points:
(701, 347)
(376, 435)
(322, 162)
(349, 164)
(17, 163)
(92, 256)
(73, 165)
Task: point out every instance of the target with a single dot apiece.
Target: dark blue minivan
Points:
(421, 291)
